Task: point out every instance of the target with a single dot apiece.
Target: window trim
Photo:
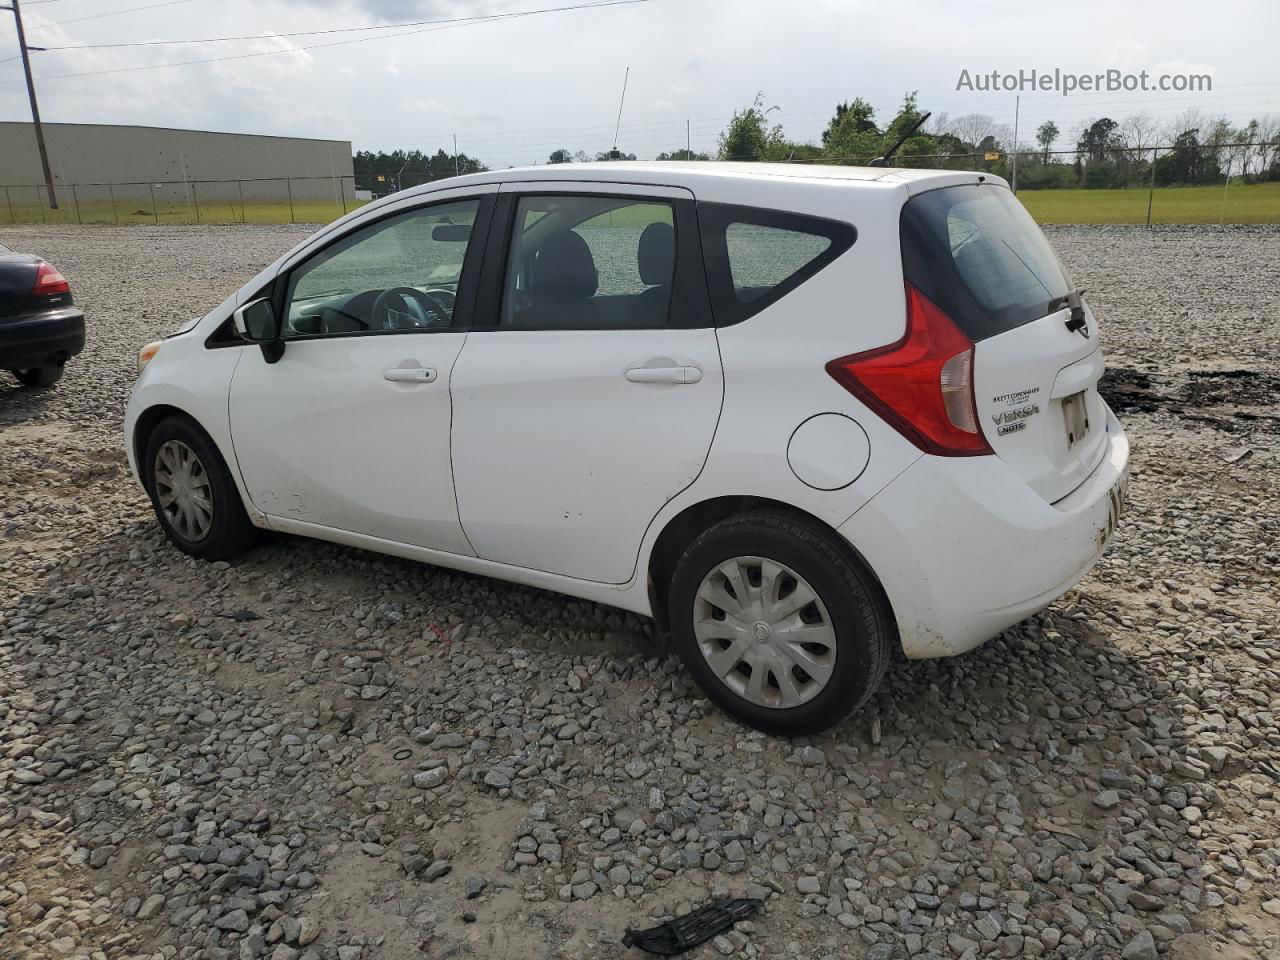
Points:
(715, 219)
(468, 280)
(688, 308)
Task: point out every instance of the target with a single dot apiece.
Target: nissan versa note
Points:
(798, 415)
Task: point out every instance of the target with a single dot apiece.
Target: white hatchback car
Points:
(798, 415)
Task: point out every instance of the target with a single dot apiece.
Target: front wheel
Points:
(193, 494)
(778, 625)
(39, 376)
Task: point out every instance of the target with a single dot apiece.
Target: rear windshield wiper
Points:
(1075, 300)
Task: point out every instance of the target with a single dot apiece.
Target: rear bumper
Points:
(965, 549)
(44, 340)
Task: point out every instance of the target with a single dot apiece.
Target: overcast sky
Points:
(513, 90)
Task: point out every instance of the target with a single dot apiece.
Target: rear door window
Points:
(975, 252)
(584, 262)
(756, 256)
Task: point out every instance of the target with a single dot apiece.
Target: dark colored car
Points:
(40, 327)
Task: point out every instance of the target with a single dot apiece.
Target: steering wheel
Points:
(402, 308)
(446, 297)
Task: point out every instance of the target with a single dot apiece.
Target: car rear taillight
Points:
(923, 384)
(49, 281)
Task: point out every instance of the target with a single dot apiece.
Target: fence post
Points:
(76, 199)
(195, 199)
(114, 212)
(1151, 189)
(289, 184)
(1223, 214)
(342, 189)
(240, 187)
(155, 211)
(9, 203)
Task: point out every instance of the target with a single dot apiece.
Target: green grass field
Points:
(1252, 203)
(177, 213)
(1245, 203)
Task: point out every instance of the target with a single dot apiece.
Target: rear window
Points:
(975, 252)
(756, 256)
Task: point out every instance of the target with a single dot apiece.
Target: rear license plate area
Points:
(1075, 416)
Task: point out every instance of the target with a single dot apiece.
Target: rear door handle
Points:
(687, 374)
(409, 374)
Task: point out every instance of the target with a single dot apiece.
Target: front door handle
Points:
(684, 374)
(409, 374)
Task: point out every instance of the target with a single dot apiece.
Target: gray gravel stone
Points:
(282, 756)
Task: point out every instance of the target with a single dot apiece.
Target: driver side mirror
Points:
(256, 322)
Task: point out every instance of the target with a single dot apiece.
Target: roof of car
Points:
(676, 172)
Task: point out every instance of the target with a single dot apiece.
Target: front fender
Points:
(188, 377)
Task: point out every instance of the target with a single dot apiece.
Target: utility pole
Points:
(35, 107)
(456, 171)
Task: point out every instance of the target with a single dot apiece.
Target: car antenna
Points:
(884, 161)
(615, 154)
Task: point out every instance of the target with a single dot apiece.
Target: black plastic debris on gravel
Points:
(1212, 397)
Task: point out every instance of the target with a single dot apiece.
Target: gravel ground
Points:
(320, 753)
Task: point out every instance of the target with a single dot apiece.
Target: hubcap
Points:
(182, 487)
(764, 632)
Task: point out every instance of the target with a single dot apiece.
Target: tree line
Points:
(384, 172)
(1102, 152)
(1194, 148)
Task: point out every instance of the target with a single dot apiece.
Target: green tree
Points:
(560, 156)
(1098, 139)
(852, 134)
(850, 118)
(1187, 162)
(749, 136)
(1046, 133)
(607, 155)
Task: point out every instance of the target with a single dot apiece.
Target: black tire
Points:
(39, 376)
(230, 532)
(860, 617)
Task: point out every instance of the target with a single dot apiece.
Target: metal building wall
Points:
(103, 153)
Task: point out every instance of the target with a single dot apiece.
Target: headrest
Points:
(564, 268)
(657, 253)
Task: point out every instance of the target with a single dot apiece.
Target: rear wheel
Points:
(778, 625)
(39, 376)
(193, 494)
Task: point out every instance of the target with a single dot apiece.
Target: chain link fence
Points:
(1162, 183)
(265, 200)
(1175, 183)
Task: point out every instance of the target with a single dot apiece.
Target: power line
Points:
(99, 16)
(296, 33)
(340, 43)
